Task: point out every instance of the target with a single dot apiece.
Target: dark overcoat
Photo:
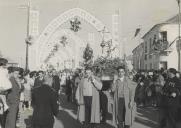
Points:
(56, 83)
(13, 98)
(129, 93)
(44, 102)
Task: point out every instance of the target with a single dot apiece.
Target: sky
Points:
(133, 14)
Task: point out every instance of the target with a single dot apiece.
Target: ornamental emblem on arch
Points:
(75, 25)
(63, 40)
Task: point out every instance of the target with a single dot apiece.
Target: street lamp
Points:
(178, 45)
(28, 39)
(178, 1)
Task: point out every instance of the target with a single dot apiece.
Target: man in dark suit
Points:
(56, 81)
(104, 100)
(39, 79)
(171, 93)
(13, 98)
(44, 102)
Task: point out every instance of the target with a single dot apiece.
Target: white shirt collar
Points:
(121, 79)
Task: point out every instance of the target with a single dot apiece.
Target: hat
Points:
(120, 67)
(15, 69)
(172, 70)
(10, 69)
(3, 61)
(33, 73)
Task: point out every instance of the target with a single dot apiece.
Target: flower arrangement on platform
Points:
(108, 66)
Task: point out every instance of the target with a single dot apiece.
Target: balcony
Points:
(160, 46)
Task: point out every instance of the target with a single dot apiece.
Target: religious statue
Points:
(88, 55)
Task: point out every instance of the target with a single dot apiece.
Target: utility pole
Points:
(179, 39)
(28, 39)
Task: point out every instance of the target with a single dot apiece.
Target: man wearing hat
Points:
(13, 98)
(171, 92)
(56, 81)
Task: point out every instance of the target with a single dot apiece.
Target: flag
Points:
(137, 32)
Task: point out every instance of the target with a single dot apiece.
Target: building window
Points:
(150, 56)
(145, 57)
(163, 35)
(145, 47)
(150, 43)
(146, 66)
(155, 66)
(163, 64)
(150, 65)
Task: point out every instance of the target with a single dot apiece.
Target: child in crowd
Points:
(5, 83)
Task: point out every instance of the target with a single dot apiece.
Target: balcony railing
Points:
(160, 46)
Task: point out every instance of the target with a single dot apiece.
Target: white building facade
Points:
(138, 57)
(159, 48)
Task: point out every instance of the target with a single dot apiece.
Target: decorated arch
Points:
(43, 43)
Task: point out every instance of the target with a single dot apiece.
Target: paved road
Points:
(67, 119)
(146, 118)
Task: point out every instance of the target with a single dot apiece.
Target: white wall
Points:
(172, 34)
(153, 60)
(172, 58)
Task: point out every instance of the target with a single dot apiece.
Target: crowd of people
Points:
(161, 89)
(22, 90)
(39, 91)
(91, 91)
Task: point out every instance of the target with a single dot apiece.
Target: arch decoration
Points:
(44, 43)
